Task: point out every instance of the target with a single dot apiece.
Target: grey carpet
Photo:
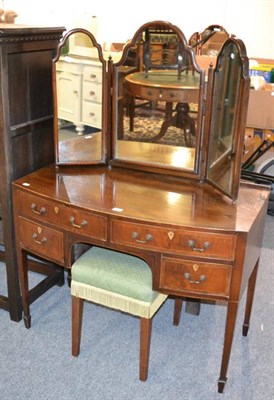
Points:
(184, 364)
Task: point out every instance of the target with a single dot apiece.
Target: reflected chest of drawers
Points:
(79, 92)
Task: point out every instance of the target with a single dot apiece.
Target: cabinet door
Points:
(69, 96)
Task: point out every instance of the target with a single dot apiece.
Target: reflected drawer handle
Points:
(91, 93)
(191, 244)
(35, 211)
(187, 276)
(93, 76)
(83, 223)
(35, 236)
(135, 235)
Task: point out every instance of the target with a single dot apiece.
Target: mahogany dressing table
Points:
(183, 210)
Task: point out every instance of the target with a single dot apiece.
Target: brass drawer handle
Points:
(148, 238)
(35, 211)
(92, 114)
(91, 93)
(187, 276)
(83, 223)
(92, 76)
(192, 244)
(35, 236)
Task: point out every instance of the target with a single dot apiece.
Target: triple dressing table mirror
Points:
(158, 177)
(167, 116)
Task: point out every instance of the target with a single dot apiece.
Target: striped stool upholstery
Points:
(119, 281)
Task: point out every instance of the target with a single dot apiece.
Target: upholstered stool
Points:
(119, 281)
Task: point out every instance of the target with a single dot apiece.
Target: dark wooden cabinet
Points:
(26, 127)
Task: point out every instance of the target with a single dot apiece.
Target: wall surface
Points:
(250, 20)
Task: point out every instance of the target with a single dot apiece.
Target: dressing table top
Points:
(145, 197)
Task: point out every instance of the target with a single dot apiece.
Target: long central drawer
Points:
(178, 241)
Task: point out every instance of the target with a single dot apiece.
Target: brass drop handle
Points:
(92, 76)
(187, 276)
(135, 236)
(91, 93)
(35, 236)
(72, 221)
(192, 244)
(35, 211)
(92, 114)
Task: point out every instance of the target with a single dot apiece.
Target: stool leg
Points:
(76, 318)
(177, 310)
(145, 336)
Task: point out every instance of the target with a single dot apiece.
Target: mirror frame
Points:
(240, 114)
(206, 104)
(162, 169)
(95, 44)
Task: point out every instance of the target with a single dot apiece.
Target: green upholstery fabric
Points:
(115, 272)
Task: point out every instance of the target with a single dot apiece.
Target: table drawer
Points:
(163, 94)
(195, 277)
(178, 241)
(70, 218)
(41, 240)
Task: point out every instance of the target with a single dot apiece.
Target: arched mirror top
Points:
(79, 79)
(171, 38)
(158, 91)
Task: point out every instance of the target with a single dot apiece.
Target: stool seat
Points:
(119, 281)
(115, 280)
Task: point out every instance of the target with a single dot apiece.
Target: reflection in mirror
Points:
(79, 98)
(226, 127)
(157, 96)
(210, 41)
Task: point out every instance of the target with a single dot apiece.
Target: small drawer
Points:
(179, 275)
(83, 223)
(177, 241)
(92, 92)
(75, 220)
(36, 207)
(93, 73)
(92, 114)
(41, 240)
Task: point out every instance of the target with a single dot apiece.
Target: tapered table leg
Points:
(232, 309)
(249, 299)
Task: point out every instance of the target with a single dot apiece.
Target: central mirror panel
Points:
(157, 102)
(79, 76)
